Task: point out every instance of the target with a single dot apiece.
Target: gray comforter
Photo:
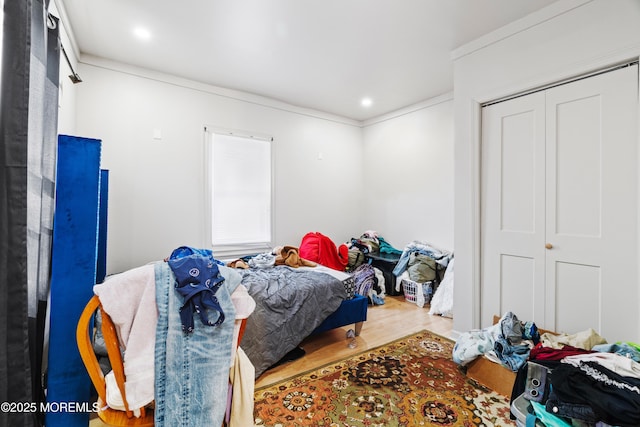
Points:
(290, 304)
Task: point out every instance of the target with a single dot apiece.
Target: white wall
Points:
(408, 167)
(156, 187)
(67, 89)
(568, 38)
(393, 174)
(405, 191)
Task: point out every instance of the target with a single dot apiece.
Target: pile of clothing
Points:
(369, 282)
(442, 299)
(280, 255)
(580, 379)
(421, 262)
(508, 342)
(369, 242)
(568, 380)
(168, 311)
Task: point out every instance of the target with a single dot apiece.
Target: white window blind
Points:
(240, 191)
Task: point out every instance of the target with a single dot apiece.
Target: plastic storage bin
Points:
(520, 408)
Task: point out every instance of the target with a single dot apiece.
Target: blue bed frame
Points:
(350, 311)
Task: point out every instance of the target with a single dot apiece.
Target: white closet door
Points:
(592, 195)
(512, 208)
(559, 207)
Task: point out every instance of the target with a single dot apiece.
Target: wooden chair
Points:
(112, 417)
(84, 333)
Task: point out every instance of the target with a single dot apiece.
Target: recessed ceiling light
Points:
(366, 102)
(142, 33)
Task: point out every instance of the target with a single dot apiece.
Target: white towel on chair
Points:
(130, 299)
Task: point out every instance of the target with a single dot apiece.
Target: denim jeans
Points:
(578, 411)
(191, 370)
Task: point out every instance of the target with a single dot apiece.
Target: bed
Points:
(351, 311)
(293, 303)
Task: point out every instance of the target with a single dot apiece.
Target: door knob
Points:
(548, 246)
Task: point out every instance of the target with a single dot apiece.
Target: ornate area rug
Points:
(408, 382)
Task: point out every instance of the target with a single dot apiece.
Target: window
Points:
(239, 189)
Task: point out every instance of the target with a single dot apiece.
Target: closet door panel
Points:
(591, 205)
(517, 276)
(517, 173)
(578, 286)
(512, 210)
(577, 183)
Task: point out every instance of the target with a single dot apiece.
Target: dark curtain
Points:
(28, 138)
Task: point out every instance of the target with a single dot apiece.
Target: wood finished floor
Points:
(395, 319)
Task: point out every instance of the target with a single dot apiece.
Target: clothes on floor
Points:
(440, 256)
(540, 352)
(584, 339)
(623, 348)
(511, 356)
(502, 341)
(386, 248)
(442, 300)
(590, 382)
(617, 363)
(613, 398)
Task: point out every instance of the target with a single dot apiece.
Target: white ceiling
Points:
(320, 54)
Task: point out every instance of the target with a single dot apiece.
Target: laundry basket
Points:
(411, 289)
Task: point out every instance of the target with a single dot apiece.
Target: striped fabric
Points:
(28, 135)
